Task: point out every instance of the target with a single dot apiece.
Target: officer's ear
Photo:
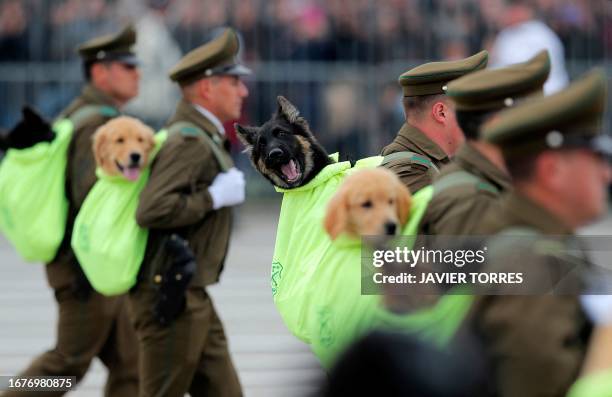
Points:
(440, 110)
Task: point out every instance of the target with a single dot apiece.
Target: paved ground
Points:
(270, 361)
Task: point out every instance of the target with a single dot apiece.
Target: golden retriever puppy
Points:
(122, 147)
(369, 202)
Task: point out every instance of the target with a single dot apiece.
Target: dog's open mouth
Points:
(131, 173)
(291, 171)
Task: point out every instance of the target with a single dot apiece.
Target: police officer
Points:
(191, 190)
(556, 155)
(471, 185)
(91, 325)
(430, 135)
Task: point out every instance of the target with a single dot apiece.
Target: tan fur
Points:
(388, 199)
(116, 140)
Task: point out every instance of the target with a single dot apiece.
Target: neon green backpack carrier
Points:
(106, 239)
(316, 283)
(33, 203)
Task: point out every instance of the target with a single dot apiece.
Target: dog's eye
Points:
(391, 201)
(367, 204)
(140, 140)
(119, 140)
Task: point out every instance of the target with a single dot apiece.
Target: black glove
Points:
(171, 299)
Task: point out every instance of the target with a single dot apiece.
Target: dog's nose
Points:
(275, 154)
(135, 157)
(390, 228)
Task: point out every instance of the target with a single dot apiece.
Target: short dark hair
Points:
(87, 70)
(521, 168)
(470, 122)
(416, 106)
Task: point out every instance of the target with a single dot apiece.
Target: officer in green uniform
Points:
(191, 190)
(89, 324)
(557, 157)
(430, 135)
(469, 186)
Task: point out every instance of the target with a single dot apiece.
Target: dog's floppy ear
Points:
(288, 110)
(404, 199)
(247, 135)
(336, 217)
(100, 139)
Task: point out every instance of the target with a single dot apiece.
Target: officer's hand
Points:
(227, 189)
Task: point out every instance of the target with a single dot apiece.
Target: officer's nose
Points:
(135, 157)
(390, 228)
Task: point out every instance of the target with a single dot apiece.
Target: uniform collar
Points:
(93, 95)
(415, 140)
(525, 211)
(186, 111)
(208, 114)
(469, 158)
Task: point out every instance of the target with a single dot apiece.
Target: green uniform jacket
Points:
(176, 199)
(536, 343)
(80, 178)
(459, 208)
(415, 175)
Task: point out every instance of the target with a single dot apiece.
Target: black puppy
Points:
(30, 130)
(283, 149)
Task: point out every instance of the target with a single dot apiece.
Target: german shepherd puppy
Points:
(31, 129)
(283, 149)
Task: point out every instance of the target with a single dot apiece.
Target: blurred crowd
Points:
(336, 30)
(358, 33)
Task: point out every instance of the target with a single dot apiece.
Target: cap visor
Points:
(237, 70)
(602, 144)
(129, 59)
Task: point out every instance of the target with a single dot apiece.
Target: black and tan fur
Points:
(284, 149)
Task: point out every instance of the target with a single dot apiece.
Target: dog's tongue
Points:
(290, 170)
(131, 174)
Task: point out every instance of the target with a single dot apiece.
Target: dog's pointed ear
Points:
(336, 216)
(247, 135)
(32, 118)
(404, 199)
(288, 110)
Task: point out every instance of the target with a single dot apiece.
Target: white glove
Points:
(598, 308)
(227, 189)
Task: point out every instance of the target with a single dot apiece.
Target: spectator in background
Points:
(157, 53)
(522, 37)
(13, 31)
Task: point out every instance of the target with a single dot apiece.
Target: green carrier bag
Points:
(107, 241)
(316, 282)
(33, 203)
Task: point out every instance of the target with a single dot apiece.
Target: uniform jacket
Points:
(80, 178)
(536, 343)
(415, 175)
(459, 209)
(176, 200)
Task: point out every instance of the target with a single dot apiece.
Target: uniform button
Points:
(157, 279)
(178, 277)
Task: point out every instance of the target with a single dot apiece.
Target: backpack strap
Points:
(410, 156)
(84, 113)
(190, 129)
(462, 178)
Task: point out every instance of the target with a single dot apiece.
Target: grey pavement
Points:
(270, 360)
